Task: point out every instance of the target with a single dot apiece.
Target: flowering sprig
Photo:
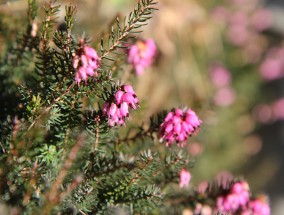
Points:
(141, 55)
(117, 108)
(178, 126)
(237, 197)
(86, 63)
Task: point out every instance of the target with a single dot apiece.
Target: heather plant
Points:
(63, 107)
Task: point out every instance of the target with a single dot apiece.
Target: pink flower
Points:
(130, 99)
(118, 96)
(141, 55)
(257, 206)
(237, 198)
(273, 66)
(117, 109)
(178, 126)
(128, 89)
(184, 178)
(86, 63)
(220, 76)
(124, 109)
(271, 69)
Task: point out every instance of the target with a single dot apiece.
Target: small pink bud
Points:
(128, 89)
(89, 71)
(169, 127)
(129, 99)
(77, 78)
(90, 52)
(82, 73)
(169, 116)
(178, 112)
(112, 110)
(84, 60)
(177, 128)
(118, 96)
(184, 178)
(124, 109)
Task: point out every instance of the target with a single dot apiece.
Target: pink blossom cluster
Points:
(257, 206)
(221, 79)
(236, 199)
(273, 66)
(184, 178)
(142, 54)
(86, 63)
(243, 23)
(178, 125)
(118, 109)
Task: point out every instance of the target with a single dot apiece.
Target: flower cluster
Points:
(118, 109)
(86, 62)
(184, 178)
(234, 199)
(141, 55)
(178, 126)
(237, 198)
(257, 206)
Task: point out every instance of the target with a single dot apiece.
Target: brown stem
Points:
(52, 197)
(31, 185)
(97, 133)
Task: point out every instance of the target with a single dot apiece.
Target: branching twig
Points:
(52, 197)
(128, 29)
(49, 107)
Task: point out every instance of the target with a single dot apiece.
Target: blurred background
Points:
(224, 59)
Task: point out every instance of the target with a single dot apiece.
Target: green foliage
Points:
(45, 163)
